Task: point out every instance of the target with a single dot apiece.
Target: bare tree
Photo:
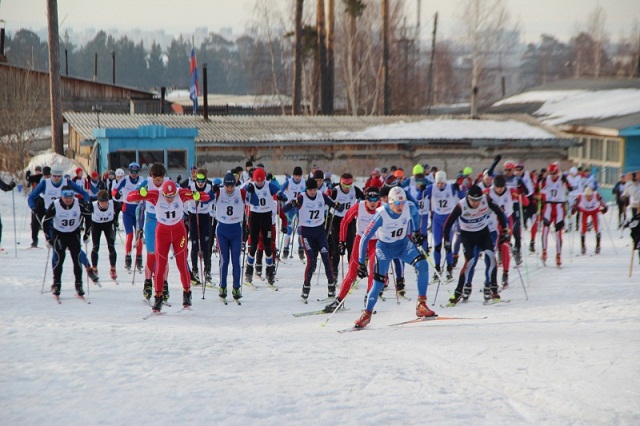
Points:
(23, 112)
(596, 28)
(297, 64)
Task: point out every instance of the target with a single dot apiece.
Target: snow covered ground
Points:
(567, 356)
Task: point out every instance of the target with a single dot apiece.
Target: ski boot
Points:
(248, 273)
(146, 290)
(333, 306)
(306, 288)
(450, 273)
(127, 262)
(79, 289)
(505, 279)
(583, 246)
(285, 253)
(157, 303)
(236, 293)
(271, 274)
(364, 320)
(139, 264)
(517, 256)
(113, 273)
(558, 260)
(222, 292)
(301, 254)
(331, 290)
(436, 274)
(532, 246)
(195, 279)
(544, 255)
(487, 292)
(422, 310)
(186, 298)
(165, 291)
(455, 261)
(454, 299)
(597, 243)
(207, 277)
(495, 294)
(259, 269)
(55, 289)
(466, 292)
(92, 275)
(400, 287)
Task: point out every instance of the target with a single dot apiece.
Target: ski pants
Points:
(229, 240)
(260, 224)
(595, 220)
(315, 241)
(199, 231)
(334, 240)
(404, 250)
(352, 273)
(106, 228)
(473, 244)
(437, 227)
(553, 213)
(167, 236)
(61, 242)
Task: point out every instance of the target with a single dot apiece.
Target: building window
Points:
(613, 150)
(595, 149)
(121, 159)
(177, 159)
(609, 176)
(147, 158)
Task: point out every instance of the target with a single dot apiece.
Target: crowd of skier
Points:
(254, 223)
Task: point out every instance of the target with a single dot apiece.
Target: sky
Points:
(563, 353)
(558, 17)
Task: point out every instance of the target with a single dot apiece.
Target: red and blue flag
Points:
(194, 88)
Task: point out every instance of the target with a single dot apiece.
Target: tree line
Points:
(263, 60)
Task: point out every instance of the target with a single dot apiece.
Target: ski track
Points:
(568, 356)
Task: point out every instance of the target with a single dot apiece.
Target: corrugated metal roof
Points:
(281, 130)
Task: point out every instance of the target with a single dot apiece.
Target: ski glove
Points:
(85, 238)
(284, 229)
(196, 195)
(605, 209)
(362, 270)
(447, 245)
(143, 192)
(280, 196)
(342, 246)
(504, 236)
(251, 189)
(418, 238)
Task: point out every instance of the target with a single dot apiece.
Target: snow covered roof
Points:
(591, 105)
(225, 130)
(181, 97)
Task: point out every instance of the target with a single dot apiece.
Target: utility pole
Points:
(385, 58)
(55, 83)
(431, 61)
(297, 64)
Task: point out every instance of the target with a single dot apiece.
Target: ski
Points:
(318, 312)
(495, 301)
(57, 298)
(354, 328)
(237, 302)
(224, 301)
(272, 287)
(326, 299)
(83, 299)
(305, 301)
(436, 318)
(153, 314)
(185, 308)
(252, 285)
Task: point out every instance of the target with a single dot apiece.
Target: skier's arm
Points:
(453, 216)
(46, 222)
(499, 213)
(491, 168)
(376, 222)
(346, 220)
(35, 194)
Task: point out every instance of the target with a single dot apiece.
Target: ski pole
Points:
(86, 248)
(201, 272)
(615, 250)
(526, 263)
(526, 296)
(354, 285)
(15, 232)
(633, 252)
(46, 266)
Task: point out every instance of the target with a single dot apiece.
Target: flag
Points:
(193, 86)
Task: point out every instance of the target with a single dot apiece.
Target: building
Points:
(335, 143)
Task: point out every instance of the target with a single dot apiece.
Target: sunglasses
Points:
(346, 185)
(134, 172)
(400, 203)
(508, 170)
(373, 199)
(170, 196)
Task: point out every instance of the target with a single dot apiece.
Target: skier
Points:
(261, 222)
(554, 198)
(473, 214)
(621, 201)
(347, 195)
(126, 185)
(200, 227)
(291, 187)
(229, 210)
(158, 177)
(391, 224)
(439, 200)
(312, 205)
(363, 211)
(33, 180)
(6, 187)
(103, 219)
(170, 231)
(61, 224)
(590, 205)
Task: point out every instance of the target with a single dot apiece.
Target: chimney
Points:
(163, 95)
